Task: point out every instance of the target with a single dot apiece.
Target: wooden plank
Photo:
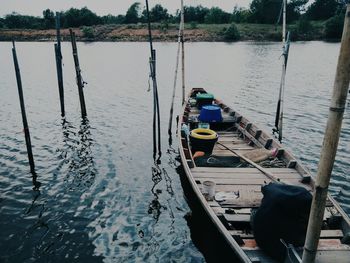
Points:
(241, 233)
(324, 245)
(286, 176)
(237, 218)
(332, 233)
(248, 181)
(324, 234)
(230, 172)
(235, 188)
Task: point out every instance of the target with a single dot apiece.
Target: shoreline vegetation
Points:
(320, 20)
(139, 33)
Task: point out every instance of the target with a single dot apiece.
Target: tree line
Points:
(259, 11)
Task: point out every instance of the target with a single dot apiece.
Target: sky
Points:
(104, 7)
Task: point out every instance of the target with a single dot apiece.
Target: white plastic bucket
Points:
(209, 190)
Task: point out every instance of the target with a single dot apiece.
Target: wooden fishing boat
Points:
(238, 187)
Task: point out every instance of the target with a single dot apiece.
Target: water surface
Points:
(101, 197)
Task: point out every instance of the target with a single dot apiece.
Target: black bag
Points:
(283, 214)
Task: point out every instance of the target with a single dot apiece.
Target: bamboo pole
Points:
(284, 21)
(175, 82)
(58, 56)
(183, 50)
(330, 144)
(78, 74)
(23, 111)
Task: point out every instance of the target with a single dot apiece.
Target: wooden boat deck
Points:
(232, 215)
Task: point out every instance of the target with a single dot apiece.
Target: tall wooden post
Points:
(284, 27)
(58, 56)
(183, 51)
(80, 82)
(23, 110)
(330, 144)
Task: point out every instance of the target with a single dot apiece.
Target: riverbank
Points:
(165, 32)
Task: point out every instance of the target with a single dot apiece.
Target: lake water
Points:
(101, 198)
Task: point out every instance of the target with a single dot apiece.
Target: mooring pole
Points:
(330, 144)
(183, 51)
(23, 110)
(80, 82)
(284, 27)
(58, 56)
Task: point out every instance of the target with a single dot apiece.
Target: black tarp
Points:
(283, 214)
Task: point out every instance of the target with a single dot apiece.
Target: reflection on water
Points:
(78, 155)
(101, 197)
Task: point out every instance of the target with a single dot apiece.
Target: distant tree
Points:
(2, 23)
(133, 13)
(303, 26)
(80, 17)
(217, 16)
(15, 20)
(195, 14)
(158, 13)
(323, 9)
(110, 19)
(232, 33)
(267, 11)
(240, 14)
(334, 27)
(294, 9)
(49, 19)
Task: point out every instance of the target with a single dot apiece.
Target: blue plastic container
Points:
(210, 113)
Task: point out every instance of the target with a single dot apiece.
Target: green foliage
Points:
(334, 27)
(195, 13)
(267, 11)
(110, 19)
(217, 16)
(193, 25)
(80, 17)
(16, 20)
(294, 9)
(133, 14)
(323, 9)
(164, 26)
(240, 15)
(303, 26)
(88, 32)
(49, 19)
(232, 33)
(157, 13)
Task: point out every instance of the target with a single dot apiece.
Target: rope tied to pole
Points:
(179, 41)
(156, 111)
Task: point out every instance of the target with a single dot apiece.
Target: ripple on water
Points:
(101, 198)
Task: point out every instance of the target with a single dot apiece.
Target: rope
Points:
(280, 14)
(156, 111)
(174, 86)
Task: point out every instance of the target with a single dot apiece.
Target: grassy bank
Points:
(168, 32)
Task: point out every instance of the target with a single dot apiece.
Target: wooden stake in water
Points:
(80, 82)
(330, 144)
(183, 51)
(58, 56)
(23, 111)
